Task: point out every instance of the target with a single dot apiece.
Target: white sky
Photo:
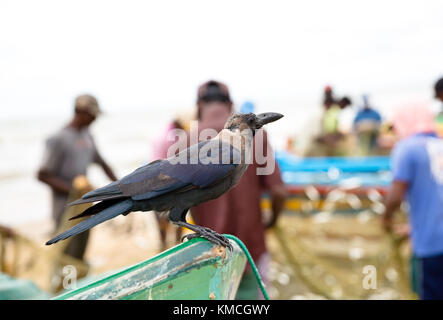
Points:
(140, 54)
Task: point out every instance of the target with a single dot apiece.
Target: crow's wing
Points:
(199, 166)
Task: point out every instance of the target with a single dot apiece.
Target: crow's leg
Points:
(206, 233)
(177, 215)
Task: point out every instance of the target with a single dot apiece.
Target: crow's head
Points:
(251, 121)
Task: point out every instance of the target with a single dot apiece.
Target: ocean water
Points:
(123, 139)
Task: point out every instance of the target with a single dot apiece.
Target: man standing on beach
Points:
(417, 168)
(366, 125)
(68, 154)
(238, 211)
(438, 90)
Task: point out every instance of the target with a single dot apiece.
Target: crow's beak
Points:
(267, 117)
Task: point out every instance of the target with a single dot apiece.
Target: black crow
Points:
(200, 173)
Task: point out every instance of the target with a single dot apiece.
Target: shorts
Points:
(428, 277)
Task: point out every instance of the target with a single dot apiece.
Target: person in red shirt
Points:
(238, 211)
(160, 151)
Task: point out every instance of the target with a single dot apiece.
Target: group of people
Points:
(332, 132)
(332, 109)
(365, 125)
(71, 150)
(417, 171)
(417, 167)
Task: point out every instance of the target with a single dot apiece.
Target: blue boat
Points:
(334, 171)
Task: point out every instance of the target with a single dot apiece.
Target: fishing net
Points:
(334, 247)
(25, 258)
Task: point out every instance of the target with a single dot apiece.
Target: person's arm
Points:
(278, 198)
(272, 182)
(106, 168)
(98, 159)
(53, 181)
(393, 201)
(403, 168)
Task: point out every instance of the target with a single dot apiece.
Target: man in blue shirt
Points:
(417, 167)
(367, 114)
(367, 125)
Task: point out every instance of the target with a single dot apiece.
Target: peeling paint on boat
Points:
(192, 270)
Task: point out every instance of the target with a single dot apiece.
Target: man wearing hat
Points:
(438, 88)
(238, 211)
(438, 91)
(68, 154)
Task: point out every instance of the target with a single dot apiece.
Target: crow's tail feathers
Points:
(96, 208)
(119, 208)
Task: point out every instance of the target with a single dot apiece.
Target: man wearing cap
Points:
(68, 154)
(438, 87)
(238, 211)
(438, 91)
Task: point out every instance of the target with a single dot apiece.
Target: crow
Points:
(202, 172)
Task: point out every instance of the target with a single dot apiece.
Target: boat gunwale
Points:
(209, 259)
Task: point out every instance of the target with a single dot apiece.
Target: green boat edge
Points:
(200, 270)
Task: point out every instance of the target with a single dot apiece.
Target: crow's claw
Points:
(205, 233)
(211, 236)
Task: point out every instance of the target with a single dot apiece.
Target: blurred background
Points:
(144, 62)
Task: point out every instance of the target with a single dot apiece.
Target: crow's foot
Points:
(206, 233)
